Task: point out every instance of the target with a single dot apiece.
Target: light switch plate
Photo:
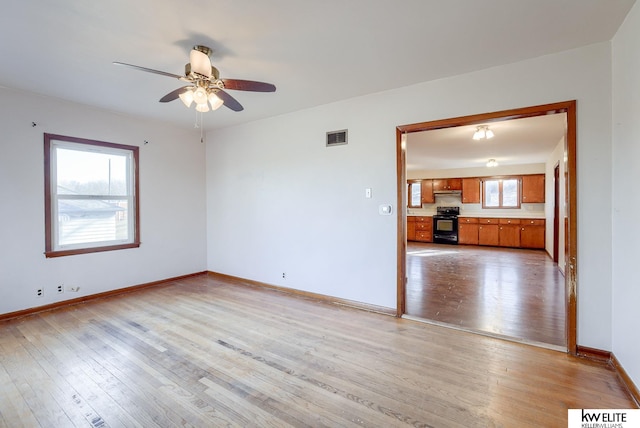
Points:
(367, 193)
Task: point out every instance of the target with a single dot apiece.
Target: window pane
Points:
(416, 195)
(491, 193)
(91, 173)
(510, 193)
(84, 221)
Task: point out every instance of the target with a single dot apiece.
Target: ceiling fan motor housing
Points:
(188, 72)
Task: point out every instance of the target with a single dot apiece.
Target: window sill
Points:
(62, 253)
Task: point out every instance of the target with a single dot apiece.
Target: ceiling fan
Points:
(206, 89)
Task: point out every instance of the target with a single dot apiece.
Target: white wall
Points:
(555, 158)
(172, 199)
(279, 200)
(532, 168)
(626, 201)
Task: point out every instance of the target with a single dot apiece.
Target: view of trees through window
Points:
(501, 193)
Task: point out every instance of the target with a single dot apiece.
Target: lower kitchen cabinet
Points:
(488, 232)
(496, 232)
(509, 232)
(468, 231)
(420, 229)
(411, 228)
(532, 234)
(424, 229)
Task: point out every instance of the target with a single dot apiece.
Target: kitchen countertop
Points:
(533, 216)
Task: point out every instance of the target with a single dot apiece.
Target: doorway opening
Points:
(567, 258)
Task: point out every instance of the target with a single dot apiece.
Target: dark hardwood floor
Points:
(208, 352)
(506, 292)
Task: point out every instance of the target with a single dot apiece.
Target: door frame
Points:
(571, 244)
(556, 213)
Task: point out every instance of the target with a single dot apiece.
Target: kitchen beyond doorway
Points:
(569, 200)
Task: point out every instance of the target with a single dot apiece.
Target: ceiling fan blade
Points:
(229, 101)
(174, 94)
(248, 85)
(149, 70)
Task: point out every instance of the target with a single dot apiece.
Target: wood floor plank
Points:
(509, 292)
(209, 352)
(37, 390)
(68, 355)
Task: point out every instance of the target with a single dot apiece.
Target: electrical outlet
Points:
(60, 288)
(39, 292)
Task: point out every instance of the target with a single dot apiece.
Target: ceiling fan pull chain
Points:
(201, 128)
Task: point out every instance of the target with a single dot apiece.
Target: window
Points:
(501, 193)
(91, 196)
(415, 194)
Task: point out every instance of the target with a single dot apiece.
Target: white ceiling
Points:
(517, 141)
(315, 52)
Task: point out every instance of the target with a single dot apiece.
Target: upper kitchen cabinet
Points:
(533, 188)
(470, 190)
(427, 192)
(446, 184)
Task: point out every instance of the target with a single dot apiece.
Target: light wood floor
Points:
(507, 292)
(203, 352)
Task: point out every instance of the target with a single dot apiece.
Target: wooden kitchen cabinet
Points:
(442, 184)
(424, 229)
(509, 232)
(467, 230)
(427, 192)
(488, 232)
(533, 188)
(470, 190)
(411, 228)
(532, 233)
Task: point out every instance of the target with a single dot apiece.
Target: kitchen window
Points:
(91, 196)
(501, 193)
(415, 194)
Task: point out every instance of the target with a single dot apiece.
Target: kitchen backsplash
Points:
(476, 210)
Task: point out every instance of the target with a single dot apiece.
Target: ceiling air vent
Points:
(336, 138)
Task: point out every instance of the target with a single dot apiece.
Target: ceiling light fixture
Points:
(482, 131)
(203, 97)
(492, 163)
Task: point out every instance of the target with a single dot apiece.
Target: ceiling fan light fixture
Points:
(492, 163)
(200, 95)
(202, 108)
(187, 97)
(204, 83)
(488, 133)
(215, 101)
(200, 63)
